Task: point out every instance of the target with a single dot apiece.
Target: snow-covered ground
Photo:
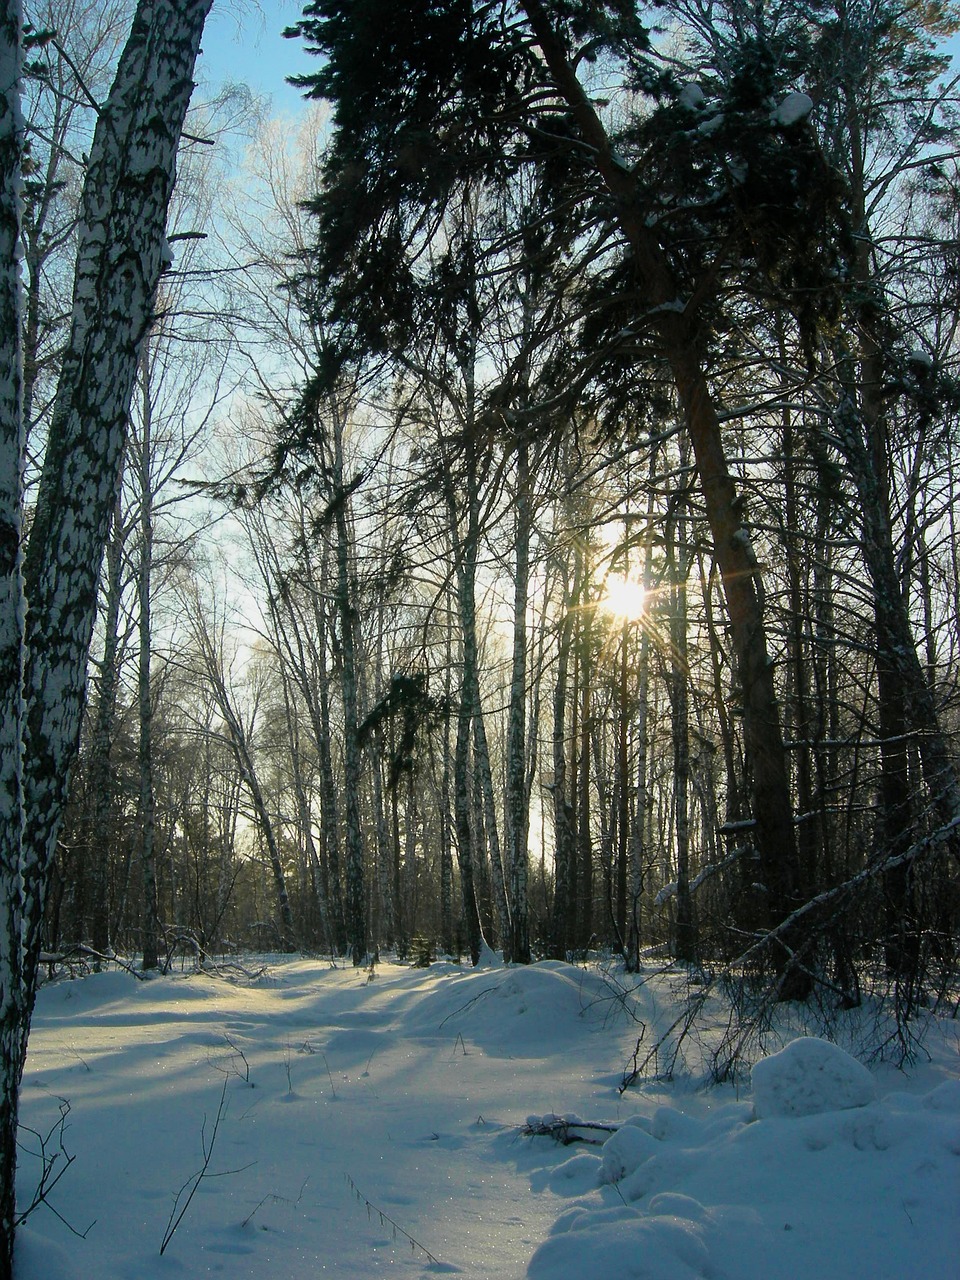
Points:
(375, 1125)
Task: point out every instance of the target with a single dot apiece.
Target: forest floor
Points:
(360, 1124)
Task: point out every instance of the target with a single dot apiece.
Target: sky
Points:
(244, 43)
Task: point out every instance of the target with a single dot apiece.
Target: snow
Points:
(376, 1124)
(810, 1077)
(691, 97)
(711, 126)
(794, 108)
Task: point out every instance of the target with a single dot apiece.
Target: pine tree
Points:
(437, 98)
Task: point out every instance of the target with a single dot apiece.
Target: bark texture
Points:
(130, 176)
(12, 993)
(129, 180)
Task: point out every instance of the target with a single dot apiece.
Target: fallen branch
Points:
(567, 1130)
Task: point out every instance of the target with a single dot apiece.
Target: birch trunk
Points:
(14, 1004)
(129, 179)
(130, 176)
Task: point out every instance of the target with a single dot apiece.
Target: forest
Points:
(503, 557)
(523, 516)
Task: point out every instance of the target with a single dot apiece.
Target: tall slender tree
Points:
(121, 251)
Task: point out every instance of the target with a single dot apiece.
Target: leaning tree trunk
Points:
(129, 178)
(13, 997)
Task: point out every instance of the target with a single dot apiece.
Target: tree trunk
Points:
(563, 835)
(101, 831)
(146, 812)
(739, 571)
(583, 898)
(356, 914)
(678, 560)
(14, 1002)
(124, 205)
(517, 804)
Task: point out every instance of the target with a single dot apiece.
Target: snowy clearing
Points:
(376, 1124)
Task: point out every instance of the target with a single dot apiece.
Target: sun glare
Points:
(624, 598)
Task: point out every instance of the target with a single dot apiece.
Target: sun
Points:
(624, 598)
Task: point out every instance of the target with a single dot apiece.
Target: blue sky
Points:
(245, 45)
(242, 42)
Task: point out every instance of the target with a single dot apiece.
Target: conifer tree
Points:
(437, 96)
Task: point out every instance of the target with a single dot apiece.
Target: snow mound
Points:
(528, 1010)
(625, 1151)
(810, 1077)
(946, 1097)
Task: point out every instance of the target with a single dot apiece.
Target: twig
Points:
(49, 1163)
(333, 1087)
(464, 1007)
(244, 1075)
(276, 1200)
(385, 1219)
(194, 1181)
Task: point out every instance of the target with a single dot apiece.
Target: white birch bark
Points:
(12, 994)
(129, 179)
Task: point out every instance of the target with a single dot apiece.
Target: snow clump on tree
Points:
(794, 108)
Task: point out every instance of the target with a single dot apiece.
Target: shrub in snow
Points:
(624, 1152)
(809, 1077)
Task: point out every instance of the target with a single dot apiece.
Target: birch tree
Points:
(127, 187)
(14, 997)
